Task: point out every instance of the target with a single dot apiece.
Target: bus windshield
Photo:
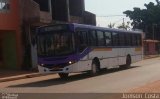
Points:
(55, 44)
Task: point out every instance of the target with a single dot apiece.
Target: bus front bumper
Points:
(44, 70)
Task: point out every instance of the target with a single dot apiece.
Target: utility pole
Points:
(123, 24)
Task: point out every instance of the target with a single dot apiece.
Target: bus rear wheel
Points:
(63, 75)
(128, 63)
(95, 67)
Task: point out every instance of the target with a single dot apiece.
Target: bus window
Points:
(100, 36)
(115, 38)
(139, 41)
(92, 38)
(108, 38)
(134, 40)
(122, 39)
(127, 36)
(82, 40)
(126, 39)
(130, 40)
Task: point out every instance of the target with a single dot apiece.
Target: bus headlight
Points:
(42, 65)
(71, 62)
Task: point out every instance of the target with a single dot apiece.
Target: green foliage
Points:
(145, 17)
(124, 26)
(111, 25)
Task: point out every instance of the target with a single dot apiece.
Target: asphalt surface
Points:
(109, 81)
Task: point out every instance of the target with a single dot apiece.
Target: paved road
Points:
(110, 81)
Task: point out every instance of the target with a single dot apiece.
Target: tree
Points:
(146, 19)
(111, 25)
(124, 26)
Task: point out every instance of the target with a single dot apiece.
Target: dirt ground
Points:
(148, 88)
(10, 73)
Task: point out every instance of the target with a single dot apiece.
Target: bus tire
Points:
(95, 68)
(63, 75)
(128, 63)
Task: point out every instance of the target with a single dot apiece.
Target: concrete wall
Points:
(30, 11)
(89, 18)
(76, 7)
(60, 10)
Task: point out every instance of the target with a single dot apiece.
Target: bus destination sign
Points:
(53, 28)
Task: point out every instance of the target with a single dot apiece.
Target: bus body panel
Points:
(108, 59)
(109, 56)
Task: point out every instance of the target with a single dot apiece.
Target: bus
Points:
(73, 48)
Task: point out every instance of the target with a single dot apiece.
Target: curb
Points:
(20, 77)
(149, 57)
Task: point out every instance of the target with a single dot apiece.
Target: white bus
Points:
(71, 48)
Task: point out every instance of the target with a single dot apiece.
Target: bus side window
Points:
(134, 41)
(127, 36)
(100, 36)
(139, 41)
(92, 38)
(115, 38)
(122, 39)
(136, 37)
(130, 40)
(108, 38)
(82, 40)
(125, 40)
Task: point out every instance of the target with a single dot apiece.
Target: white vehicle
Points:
(69, 48)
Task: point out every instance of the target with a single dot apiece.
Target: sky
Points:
(104, 9)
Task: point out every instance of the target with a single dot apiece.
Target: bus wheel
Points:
(128, 63)
(63, 75)
(95, 67)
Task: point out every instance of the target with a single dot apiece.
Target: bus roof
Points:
(101, 28)
(74, 26)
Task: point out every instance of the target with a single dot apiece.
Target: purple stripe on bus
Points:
(65, 59)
